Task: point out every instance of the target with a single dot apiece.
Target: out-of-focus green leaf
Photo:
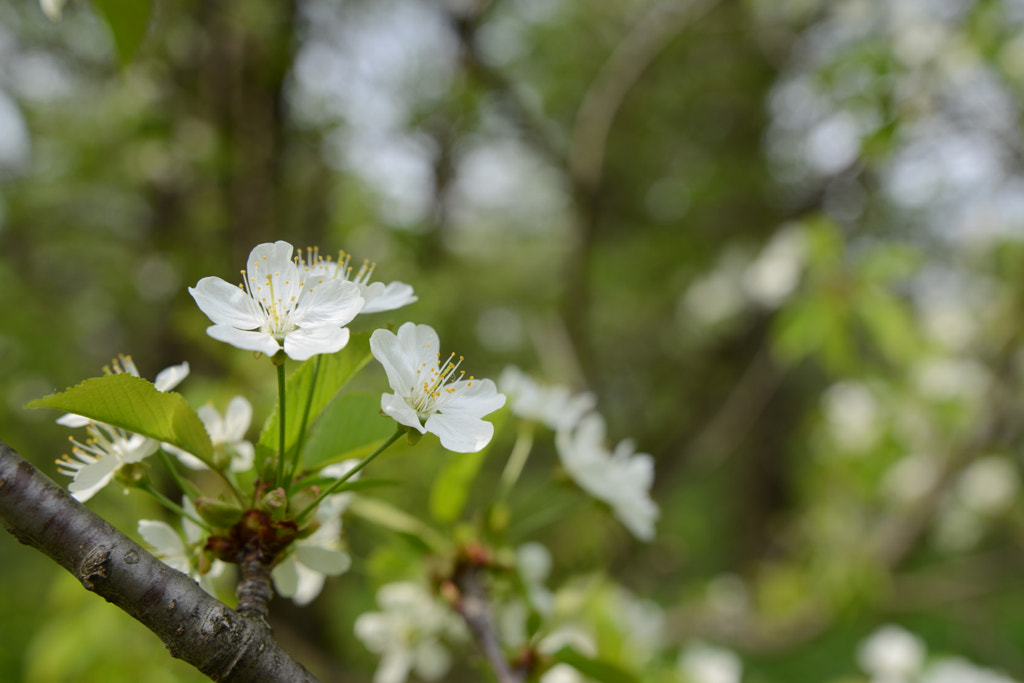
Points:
(133, 403)
(128, 21)
(314, 384)
(351, 426)
(889, 324)
(594, 668)
(453, 484)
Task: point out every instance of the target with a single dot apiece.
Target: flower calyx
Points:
(256, 533)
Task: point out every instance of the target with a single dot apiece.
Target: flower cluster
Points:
(408, 633)
(277, 509)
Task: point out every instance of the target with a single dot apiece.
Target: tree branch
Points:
(194, 626)
(473, 605)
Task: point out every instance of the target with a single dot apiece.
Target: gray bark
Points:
(195, 627)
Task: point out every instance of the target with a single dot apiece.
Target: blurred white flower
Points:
(958, 529)
(952, 379)
(716, 295)
(279, 306)
(621, 478)
(431, 396)
(53, 8)
(911, 477)
(302, 573)
(957, 670)
(183, 555)
(554, 406)
(891, 655)
(108, 448)
(988, 485)
(776, 271)
(562, 673)
(533, 561)
(853, 415)
(408, 633)
(377, 296)
(704, 663)
(227, 434)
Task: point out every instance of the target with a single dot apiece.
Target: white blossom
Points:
(227, 434)
(555, 406)
(431, 395)
(279, 306)
(891, 655)
(408, 633)
(377, 295)
(621, 478)
(703, 663)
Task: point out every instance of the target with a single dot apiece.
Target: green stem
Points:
(351, 473)
(189, 488)
(282, 422)
(517, 459)
(305, 421)
(185, 485)
(172, 506)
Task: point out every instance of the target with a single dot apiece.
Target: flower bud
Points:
(275, 502)
(131, 474)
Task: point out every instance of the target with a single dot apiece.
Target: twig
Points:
(602, 101)
(472, 604)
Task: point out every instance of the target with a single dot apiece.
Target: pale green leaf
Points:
(134, 404)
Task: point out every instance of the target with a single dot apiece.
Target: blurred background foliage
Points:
(780, 239)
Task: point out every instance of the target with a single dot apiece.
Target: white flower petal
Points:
(187, 459)
(286, 577)
(72, 420)
(93, 477)
(333, 302)
(394, 667)
(244, 457)
(224, 303)
(459, 433)
(171, 377)
(243, 339)
(304, 343)
(162, 537)
(394, 295)
(323, 560)
(386, 348)
(479, 397)
(237, 418)
(268, 258)
(310, 583)
(396, 407)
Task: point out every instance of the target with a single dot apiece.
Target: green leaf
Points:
(128, 21)
(390, 517)
(350, 427)
(594, 668)
(889, 322)
(452, 486)
(134, 404)
(315, 383)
